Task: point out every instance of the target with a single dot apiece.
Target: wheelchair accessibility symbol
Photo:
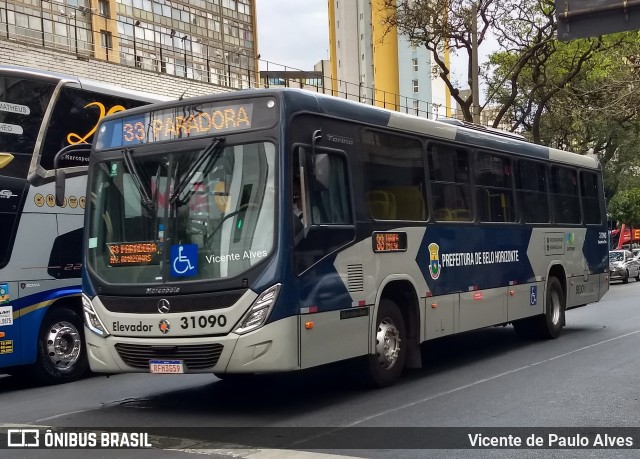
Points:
(533, 295)
(184, 260)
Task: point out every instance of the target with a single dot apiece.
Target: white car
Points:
(622, 265)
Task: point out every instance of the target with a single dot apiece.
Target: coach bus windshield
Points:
(22, 107)
(197, 214)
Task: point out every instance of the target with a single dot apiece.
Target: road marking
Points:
(481, 381)
(55, 416)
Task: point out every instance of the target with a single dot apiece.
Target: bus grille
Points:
(179, 303)
(195, 357)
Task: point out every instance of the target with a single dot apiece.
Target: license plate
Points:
(166, 366)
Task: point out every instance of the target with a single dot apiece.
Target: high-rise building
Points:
(212, 41)
(374, 64)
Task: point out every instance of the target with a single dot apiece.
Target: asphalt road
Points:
(588, 378)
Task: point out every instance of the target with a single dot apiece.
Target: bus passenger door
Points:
(331, 329)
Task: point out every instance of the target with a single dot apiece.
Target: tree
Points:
(625, 207)
(527, 72)
(442, 26)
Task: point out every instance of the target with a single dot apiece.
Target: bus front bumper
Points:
(271, 348)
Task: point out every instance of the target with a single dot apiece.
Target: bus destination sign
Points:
(389, 241)
(183, 122)
(133, 253)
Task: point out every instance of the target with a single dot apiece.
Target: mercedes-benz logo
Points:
(164, 306)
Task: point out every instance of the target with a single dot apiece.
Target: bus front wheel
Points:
(384, 367)
(61, 350)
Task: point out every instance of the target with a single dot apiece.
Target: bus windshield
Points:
(193, 214)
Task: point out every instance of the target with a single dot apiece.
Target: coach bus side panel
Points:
(9, 326)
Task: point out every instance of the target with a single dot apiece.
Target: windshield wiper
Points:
(206, 158)
(146, 200)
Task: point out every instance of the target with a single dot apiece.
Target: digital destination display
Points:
(389, 241)
(133, 253)
(188, 121)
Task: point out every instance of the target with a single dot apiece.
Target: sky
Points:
(294, 33)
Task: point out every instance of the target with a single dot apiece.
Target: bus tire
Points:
(547, 325)
(554, 310)
(385, 366)
(61, 354)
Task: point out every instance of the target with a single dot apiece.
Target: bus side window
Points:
(564, 195)
(450, 182)
(394, 176)
(327, 193)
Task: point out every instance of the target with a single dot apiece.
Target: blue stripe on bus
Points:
(48, 295)
(464, 257)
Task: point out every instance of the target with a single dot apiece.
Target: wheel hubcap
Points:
(63, 345)
(387, 343)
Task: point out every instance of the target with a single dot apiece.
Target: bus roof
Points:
(83, 83)
(301, 100)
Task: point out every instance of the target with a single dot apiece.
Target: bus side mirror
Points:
(60, 181)
(78, 151)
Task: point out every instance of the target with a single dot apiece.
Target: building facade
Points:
(374, 64)
(208, 41)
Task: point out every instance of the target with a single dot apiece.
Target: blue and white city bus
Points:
(42, 114)
(196, 260)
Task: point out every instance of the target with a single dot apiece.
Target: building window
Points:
(416, 87)
(105, 39)
(103, 8)
(414, 61)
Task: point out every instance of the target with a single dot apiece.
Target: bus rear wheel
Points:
(61, 354)
(385, 366)
(548, 325)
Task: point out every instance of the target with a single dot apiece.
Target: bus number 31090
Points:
(203, 321)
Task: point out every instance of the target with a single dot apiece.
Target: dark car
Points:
(622, 265)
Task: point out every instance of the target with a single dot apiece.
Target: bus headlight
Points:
(91, 318)
(259, 311)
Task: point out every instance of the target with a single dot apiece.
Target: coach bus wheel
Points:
(61, 353)
(385, 366)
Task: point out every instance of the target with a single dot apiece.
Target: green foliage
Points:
(625, 207)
